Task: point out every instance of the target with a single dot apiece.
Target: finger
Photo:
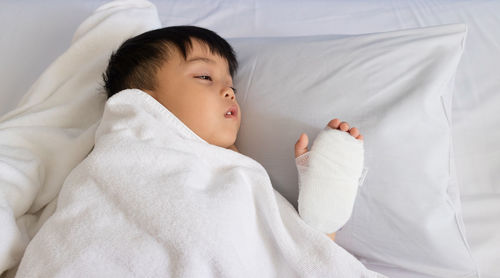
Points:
(360, 137)
(335, 123)
(301, 145)
(354, 132)
(344, 126)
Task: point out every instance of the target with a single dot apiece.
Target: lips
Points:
(234, 111)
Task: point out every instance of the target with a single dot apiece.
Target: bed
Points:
(34, 34)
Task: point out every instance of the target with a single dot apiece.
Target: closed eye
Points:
(207, 77)
(204, 77)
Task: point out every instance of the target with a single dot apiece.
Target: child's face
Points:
(198, 92)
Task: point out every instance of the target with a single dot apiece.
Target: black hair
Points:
(137, 60)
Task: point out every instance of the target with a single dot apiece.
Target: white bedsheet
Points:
(34, 33)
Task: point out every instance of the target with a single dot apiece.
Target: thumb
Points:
(301, 145)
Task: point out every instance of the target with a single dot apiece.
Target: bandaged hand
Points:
(329, 175)
(301, 145)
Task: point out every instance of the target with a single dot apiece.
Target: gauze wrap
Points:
(329, 175)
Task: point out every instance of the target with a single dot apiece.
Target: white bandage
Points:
(329, 176)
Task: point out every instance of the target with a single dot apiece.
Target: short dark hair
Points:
(135, 64)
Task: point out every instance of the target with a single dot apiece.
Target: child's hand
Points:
(301, 145)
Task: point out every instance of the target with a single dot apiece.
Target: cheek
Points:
(208, 110)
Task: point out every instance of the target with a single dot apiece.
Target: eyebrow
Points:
(203, 59)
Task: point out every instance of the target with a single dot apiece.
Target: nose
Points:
(228, 92)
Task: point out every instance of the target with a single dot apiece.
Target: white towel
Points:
(52, 128)
(153, 199)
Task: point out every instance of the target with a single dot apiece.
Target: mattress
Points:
(34, 33)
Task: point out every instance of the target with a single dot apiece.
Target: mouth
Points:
(232, 112)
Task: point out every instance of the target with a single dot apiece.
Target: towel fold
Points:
(52, 128)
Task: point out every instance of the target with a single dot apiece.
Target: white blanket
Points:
(52, 128)
(153, 199)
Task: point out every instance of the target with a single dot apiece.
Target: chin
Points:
(223, 143)
(229, 143)
(223, 140)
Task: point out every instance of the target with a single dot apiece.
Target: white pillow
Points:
(52, 128)
(396, 87)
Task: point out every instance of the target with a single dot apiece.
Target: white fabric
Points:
(52, 128)
(155, 200)
(51, 24)
(477, 85)
(329, 176)
(476, 140)
(396, 87)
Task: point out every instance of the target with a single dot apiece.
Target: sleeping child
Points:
(189, 70)
(166, 193)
